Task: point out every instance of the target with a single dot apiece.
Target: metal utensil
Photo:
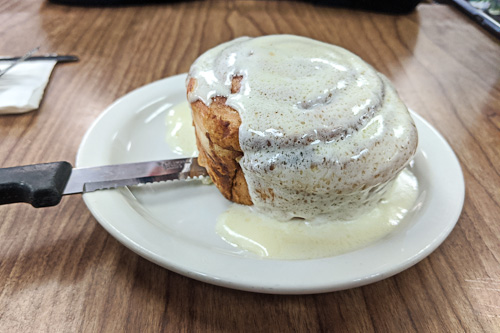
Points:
(43, 185)
(21, 59)
(56, 57)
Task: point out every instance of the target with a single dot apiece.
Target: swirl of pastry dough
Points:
(321, 132)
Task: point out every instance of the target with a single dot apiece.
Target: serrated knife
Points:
(43, 185)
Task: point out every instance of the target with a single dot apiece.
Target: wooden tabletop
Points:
(60, 271)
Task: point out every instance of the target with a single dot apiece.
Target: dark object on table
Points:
(111, 2)
(389, 6)
(487, 21)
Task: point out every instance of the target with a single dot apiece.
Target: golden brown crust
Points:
(217, 139)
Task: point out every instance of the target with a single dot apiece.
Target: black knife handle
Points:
(41, 185)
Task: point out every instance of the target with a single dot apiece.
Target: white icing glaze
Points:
(180, 132)
(322, 132)
(269, 238)
(245, 228)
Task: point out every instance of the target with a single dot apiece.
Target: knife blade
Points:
(43, 185)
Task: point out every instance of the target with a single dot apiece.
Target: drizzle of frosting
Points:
(322, 132)
(180, 132)
(241, 226)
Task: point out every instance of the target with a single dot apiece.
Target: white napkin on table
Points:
(22, 87)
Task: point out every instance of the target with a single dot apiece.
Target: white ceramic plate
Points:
(173, 224)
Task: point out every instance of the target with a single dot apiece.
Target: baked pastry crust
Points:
(217, 138)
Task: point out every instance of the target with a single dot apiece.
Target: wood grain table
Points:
(60, 271)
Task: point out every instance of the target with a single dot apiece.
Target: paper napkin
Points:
(22, 87)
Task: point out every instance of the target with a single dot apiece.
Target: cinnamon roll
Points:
(297, 127)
